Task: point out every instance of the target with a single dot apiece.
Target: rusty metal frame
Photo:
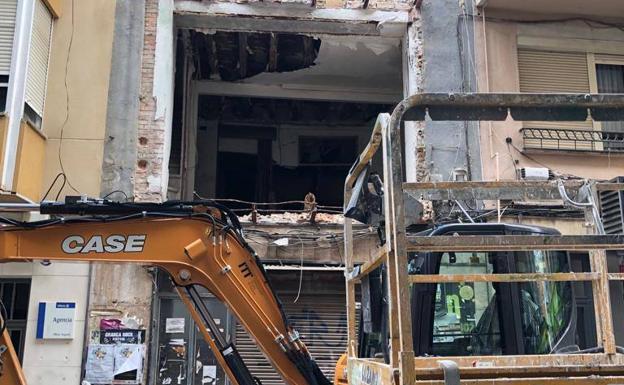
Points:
(387, 135)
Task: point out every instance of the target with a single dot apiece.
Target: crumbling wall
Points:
(122, 291)
(156, 103)
(348, 4)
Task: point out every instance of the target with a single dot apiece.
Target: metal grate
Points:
(611, 209)
(572, 140)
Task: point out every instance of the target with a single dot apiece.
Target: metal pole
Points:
(19, 207)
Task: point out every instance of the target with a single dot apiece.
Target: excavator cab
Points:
(492, 318)
(478, 318)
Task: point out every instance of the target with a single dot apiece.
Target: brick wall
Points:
(151, 133)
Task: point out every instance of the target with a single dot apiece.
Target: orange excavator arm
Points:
(196, 249)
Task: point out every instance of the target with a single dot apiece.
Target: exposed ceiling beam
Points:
(296, 91)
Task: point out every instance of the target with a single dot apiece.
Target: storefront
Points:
(180, 356)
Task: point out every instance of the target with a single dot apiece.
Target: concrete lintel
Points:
(296, 91)
(278, 18)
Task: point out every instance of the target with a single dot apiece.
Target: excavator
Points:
(199, 243)
(408, 335)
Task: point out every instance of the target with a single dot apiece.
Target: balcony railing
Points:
(572, 140)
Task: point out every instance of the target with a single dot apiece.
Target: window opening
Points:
(611, 81)
(15, 294)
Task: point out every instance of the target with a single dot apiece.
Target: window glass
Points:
(546, 306)
(466, 321)
(467, 314)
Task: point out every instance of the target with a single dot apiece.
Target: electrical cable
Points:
(67, 108)
(300, 272)
(117, 191)
(52, 185)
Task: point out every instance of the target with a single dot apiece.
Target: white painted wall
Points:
(49, 362)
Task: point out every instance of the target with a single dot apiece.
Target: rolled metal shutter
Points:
(39, 57)
(555, 72)
(322, 323)
(8, 10)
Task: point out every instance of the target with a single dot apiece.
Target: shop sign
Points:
(55, 320)
(122, 336)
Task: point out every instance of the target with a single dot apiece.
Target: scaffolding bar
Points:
(518, 277)
(499, 190)
(515, 242)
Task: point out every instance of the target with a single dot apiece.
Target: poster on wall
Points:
(128, 364)
(172, 362)
(100, 364)
(174, 325)
(125, 336)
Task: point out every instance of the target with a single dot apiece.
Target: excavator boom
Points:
(197, 247)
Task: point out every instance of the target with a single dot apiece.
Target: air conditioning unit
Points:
(612, 209)
(536, 173)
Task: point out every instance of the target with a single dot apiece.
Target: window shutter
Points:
(609, 59)
(8, 9)
(39, 57)
(554, 72)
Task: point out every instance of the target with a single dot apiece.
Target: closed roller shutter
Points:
(8, 9)
(39, 57)
(554, 72)
(609, 59)
(322, 323)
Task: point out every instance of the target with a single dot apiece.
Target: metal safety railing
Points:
(387, 136)
(572, 140)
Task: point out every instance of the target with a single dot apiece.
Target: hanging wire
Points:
(58, 194)
(300, 271)
(69, 49)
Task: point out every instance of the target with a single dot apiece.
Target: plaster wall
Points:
(45, 359)
(77, 93)
(500, 45)
(74, 122)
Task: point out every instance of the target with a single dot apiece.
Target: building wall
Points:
(85, 70)
(500, 74)
(81, 78)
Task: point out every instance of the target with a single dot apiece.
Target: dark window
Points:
(15, 294)
(4, 87)
(611, 81)
(32, 117)
(324, 150)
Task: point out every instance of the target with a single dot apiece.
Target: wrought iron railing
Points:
(572, 140)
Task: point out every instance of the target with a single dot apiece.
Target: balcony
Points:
(580, 8)
(552, 139)
(29, 164)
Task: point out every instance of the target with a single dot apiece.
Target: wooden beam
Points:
(272, 65)
(365, 269)
(242, 54)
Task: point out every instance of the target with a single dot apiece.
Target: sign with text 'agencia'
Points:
(56, 320)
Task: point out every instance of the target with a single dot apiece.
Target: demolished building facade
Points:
(265, 105)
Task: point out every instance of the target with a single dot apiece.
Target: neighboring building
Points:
(54, 68)
(554, 47)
